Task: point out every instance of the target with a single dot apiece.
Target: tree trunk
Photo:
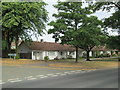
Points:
(88, 57)
(16, 44)
(76, 55)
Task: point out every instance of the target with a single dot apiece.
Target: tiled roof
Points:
(49, 46)
(101, 48)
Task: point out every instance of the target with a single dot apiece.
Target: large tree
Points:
(90, 35)
(69, 19)
(21, 20)
(111, 22)
(73, 26)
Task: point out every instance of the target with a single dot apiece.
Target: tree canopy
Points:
(114, 42)
(74, 26)
(114, 20)
(21, 20)
(111, 22)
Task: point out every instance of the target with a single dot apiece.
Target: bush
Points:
(46, 58)
(17, 57)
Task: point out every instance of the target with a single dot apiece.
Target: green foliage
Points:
(114, 20)
(17, 57)
(113, 42)
(73, 26)
(21, 20)
(46, 58)
(4, 44)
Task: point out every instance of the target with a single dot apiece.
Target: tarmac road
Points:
(107, 78)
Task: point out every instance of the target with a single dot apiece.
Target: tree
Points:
(21, 20)
(113, 42)
(90, 35)
(114, 20)
(70, 26)
(69, 19)
(111, 22)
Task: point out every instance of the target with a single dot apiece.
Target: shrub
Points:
(17, 57)
(46, 58)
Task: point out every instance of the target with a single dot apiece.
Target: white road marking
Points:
(15, 81)
(50, 74)
(31, 78)
(63, 74)
(72, 71)
(83, 72)
(44, 77)
(54, 75)
(2, 83)
(79, 70)
(40, 75)
(57, 73)
(66, 72)
(88, 71)
(76, 72)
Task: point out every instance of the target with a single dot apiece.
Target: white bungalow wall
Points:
(50, 54)
(37, 55)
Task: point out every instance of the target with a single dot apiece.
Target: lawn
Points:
(86, 65)
(65, 63)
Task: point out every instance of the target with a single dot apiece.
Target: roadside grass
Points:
(86, 65)
(96, 63)
(93, 59)
(65, 63)
(17, 62)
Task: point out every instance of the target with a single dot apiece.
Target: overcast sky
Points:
(51, 10)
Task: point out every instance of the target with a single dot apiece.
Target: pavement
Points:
(107, 78)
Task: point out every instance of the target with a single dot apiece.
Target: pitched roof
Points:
(101, 48)
(50, 46)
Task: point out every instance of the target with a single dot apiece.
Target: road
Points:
(94, 79)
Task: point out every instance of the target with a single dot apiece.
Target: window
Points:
(61, 53)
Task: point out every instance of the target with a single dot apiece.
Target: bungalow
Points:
(102, 50)
(38, 50)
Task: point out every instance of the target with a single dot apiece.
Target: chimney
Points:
(41, 40)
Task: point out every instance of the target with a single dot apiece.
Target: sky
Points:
(51, 10)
